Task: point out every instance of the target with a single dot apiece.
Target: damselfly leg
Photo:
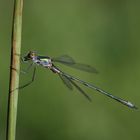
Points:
(27, 69)
(30, 82)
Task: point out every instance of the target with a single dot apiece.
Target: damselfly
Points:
(67, 79)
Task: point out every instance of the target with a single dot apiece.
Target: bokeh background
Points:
(102, 33)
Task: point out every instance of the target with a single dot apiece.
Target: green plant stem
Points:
(14, 70)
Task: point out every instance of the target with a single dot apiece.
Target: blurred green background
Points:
(102, 33)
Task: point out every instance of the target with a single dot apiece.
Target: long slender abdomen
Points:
(55, 69)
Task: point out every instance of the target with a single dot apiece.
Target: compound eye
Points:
(31, 54)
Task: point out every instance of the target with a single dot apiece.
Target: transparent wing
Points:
(80, 90)
(69, 82)
(66, 82)
(84, 67)
(65, 59)
(69, 61)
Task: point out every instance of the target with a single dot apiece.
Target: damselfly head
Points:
(29, 56)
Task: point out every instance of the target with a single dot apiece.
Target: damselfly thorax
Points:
(45, 62)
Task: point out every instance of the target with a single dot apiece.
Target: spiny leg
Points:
(25, 85)
(27, 70)
(32, 80)
(23, 71)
